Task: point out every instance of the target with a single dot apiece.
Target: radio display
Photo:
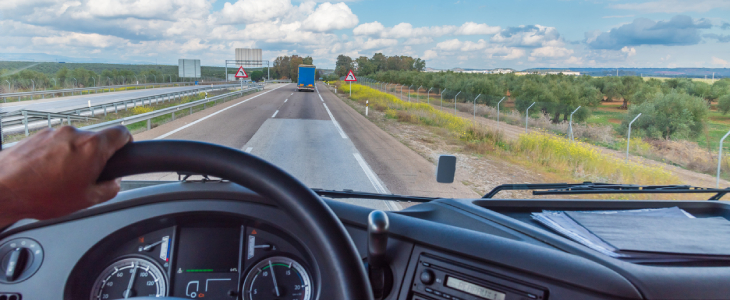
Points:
(470, 288)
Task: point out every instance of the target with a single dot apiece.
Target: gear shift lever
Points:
(378, 225)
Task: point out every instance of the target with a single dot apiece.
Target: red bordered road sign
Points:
(350, 76)
(241, 73)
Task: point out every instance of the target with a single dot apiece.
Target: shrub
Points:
(141, 110)
(723, 104)
(674, 115)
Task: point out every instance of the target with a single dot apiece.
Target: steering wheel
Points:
(338, 256)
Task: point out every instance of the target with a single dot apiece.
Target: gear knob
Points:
(378, 225)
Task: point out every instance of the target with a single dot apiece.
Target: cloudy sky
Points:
(518, 34)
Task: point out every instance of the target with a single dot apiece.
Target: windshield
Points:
(366, 96)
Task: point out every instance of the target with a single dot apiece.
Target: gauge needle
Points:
(276, 287)
(131, 282)
(148, 247)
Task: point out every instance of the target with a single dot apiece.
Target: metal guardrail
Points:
(22, 116)
(161, 112)
(165, 111)
(279, 81)
(73, 91)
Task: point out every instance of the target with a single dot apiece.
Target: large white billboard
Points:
(248, 57)
(188, 68)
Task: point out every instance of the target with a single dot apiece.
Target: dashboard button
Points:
(428, 290)
(447, 296)
(427, 277)
(437, 293)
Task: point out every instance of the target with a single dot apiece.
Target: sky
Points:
(517, 34)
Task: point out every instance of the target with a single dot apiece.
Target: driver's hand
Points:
(54, 172)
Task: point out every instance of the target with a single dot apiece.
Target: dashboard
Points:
(221, 241)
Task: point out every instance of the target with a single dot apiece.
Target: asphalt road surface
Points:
(80, 101)
(315, 137)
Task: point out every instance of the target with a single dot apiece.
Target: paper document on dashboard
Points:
(562, 223)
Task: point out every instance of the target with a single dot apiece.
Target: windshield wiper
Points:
(375, 196)
(605, 188)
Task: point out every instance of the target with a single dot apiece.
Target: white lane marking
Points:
(286, 100)
(213, 114)
(248, 150)
(276, 112)
(291, 94)
(337, 125)
(375, 181)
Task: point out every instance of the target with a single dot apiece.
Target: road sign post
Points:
(350, 78)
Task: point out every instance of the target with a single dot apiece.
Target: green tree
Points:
(343, 65)
(295, 62)
(675, 115)
(723, 104)
(308, 60)
(256, 75)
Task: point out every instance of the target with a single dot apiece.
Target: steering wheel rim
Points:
(304, 206)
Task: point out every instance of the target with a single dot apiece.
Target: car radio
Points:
(437, 278)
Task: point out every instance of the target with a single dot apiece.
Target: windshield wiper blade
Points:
(606, 188)
(366, 195)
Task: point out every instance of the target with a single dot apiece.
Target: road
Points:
(317, 138)
(73, 102)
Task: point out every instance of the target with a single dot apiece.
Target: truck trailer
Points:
(306, 78)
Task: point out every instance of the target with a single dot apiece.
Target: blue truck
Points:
(306, 78)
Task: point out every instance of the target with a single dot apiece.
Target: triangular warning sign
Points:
(350, 76)
(253, 232)
(241, 73)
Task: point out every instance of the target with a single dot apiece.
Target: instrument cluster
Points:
(195, 257)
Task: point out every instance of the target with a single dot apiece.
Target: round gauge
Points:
(130, 277)
(277, 277)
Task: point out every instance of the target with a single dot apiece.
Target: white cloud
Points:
(450, 45)
(720, 62)
(526, 35)
(330, 16)
(368, 28)
(471, 28)
(249, 11)
(79, 40)
(504, 53)
(551, 52)
(418, 41)
(629, 51)
(429, 54)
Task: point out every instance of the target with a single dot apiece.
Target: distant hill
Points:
(647, 72)
(50, 68)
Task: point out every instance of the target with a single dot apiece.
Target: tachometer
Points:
(130, 277)
(277, 277)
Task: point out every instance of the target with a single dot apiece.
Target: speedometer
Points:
(130, 277)
(277, 277)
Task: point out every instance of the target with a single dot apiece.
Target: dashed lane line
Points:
(211, 115)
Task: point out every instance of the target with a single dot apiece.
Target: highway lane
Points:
(317, 138)
(294, 131)
(73, 102)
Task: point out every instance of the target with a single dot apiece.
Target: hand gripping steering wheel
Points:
(339, 257)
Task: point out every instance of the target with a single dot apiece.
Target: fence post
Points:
(719, 159)
(367, 104)
(149, 124)
(527, 115)
(628, 139)
(570, 125)
(475, 107)
(428, 96)
(49, 120)
(457, 95)
(500, 101)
